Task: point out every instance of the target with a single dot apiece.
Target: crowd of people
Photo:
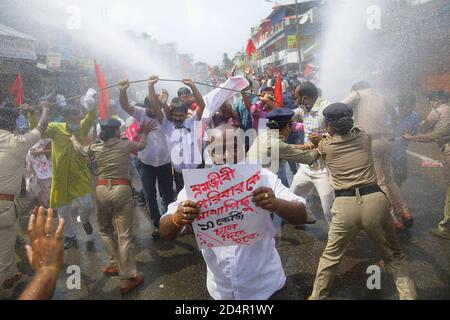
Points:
(352, 154)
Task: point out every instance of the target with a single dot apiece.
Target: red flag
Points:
(250, 48)
(307, 71)
(16, 90)
(279, 91)
(103, 95)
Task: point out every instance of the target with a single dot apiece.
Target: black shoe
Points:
(155, 234)
(88, 228)
(70, 242)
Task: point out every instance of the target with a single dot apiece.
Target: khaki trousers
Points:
(444, 225)
(9, 228)
(381, 150)
(115, 213)
(371, 214)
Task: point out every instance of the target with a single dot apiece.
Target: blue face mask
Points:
(73, 127)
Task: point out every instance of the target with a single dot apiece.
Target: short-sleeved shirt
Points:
(438, 118)
(13, 152)
(405, 125)
(259, 111)
(371, 111)
(268, 142)
(313, 122)
(113, 157)
(349, 160)
(180, 139)
(244, 115)
(246, 272)
(156, 153)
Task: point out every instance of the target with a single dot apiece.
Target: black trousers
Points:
(149, 176)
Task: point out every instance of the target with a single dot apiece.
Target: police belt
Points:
(362, 191)
(7, 197)
(113, 182)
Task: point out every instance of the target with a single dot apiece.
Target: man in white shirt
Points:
(242, 272)
(315, 176)
(154, 161)
(181, 132)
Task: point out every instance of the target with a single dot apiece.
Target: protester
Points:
(241, 272)
(39, 172)
(154, 164)
(71, 188)
(371, 115)
(180, 132)
(406, 121)
(13, 151)
(261, 108)
(360, 204)
(310, 113)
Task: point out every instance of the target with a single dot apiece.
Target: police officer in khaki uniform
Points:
(371, 114)
(13, 151)
(439, 122)
(272, 145)
(359, 205)
(114, 199)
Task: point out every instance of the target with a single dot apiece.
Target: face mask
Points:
(72, 127)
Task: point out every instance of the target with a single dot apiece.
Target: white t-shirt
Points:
(246, 272)
(183, 143)
(156, 153)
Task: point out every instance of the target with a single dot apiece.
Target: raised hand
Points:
(124, 85)
(153, 80)
(188, 82)
(46, 250)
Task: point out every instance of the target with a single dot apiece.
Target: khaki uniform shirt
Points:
(438, 120)
(370, 111)
(267, 145)
(113, 157)
(349, 160)
(13, 152)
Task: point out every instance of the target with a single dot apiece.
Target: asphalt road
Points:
(176, 270)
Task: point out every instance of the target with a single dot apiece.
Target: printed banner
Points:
(224, 195)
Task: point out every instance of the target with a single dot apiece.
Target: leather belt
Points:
(7, 197)
(113, 182)
(362, 191)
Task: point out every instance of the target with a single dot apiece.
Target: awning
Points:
(16, 45)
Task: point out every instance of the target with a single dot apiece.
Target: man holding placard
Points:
(229, 209)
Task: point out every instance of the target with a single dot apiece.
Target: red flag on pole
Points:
(16, 90)
(103, 95)
(279, 91)
(250, 48)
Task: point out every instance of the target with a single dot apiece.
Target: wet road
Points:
(176, 270)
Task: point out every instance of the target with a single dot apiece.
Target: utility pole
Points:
(299, 49)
